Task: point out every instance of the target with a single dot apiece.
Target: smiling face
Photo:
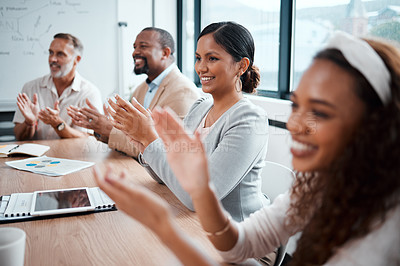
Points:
(147, 54)
(62, 58)
(216, 68)
(325, 114)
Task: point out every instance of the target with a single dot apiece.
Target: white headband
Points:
(366, 60)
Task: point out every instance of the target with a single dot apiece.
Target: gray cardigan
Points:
(236, 148)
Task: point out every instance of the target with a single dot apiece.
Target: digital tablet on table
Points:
(51, 202)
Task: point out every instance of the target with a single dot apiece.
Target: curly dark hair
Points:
(353, 196)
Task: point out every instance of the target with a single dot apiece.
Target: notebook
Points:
(17, 206)
(30, 149)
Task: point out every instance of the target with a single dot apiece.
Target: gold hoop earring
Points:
(238, 85)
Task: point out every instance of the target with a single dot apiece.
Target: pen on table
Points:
(14, 148)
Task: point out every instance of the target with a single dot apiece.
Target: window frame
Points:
(286, 31)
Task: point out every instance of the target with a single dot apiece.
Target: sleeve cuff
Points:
(150, 154)
(155, 147)
(141, 160)
(231, 255)
(112, 138)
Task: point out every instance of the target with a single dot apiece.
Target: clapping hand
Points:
(91, 118)
(134, 120)
(28, 108)
(51, 116)
(185, 153)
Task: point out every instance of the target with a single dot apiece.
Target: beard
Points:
(144, 69)
(64, 69)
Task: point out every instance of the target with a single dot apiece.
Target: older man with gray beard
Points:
(42, 104)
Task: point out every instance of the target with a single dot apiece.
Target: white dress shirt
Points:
(75, 94)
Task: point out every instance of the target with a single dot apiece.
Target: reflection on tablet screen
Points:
(61, 200)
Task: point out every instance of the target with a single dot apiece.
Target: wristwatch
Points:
(60, 126)
(97, 135)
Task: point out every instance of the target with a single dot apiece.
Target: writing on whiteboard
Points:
(25, 26)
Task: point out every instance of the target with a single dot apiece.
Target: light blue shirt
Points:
(153, 86)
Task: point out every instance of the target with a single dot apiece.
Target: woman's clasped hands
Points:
(134, 120)
(143, 127)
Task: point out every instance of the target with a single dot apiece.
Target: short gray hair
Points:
(78, 46)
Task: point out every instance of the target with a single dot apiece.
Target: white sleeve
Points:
(262, 232)
(94, 97)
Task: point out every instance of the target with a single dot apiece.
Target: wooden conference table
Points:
(106, 238)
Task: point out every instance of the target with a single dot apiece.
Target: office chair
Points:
(6, 126)
(276, 179)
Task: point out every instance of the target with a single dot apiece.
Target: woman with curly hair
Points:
(345, 125)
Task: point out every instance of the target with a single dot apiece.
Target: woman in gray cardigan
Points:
(234, 130)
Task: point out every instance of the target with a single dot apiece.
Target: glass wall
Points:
(262, 20)
(188, 39)
(316, 20)
(312, 24)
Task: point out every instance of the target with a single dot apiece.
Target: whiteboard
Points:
(27, 28)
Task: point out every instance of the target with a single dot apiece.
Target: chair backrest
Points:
(275, 179)
(6, 126)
